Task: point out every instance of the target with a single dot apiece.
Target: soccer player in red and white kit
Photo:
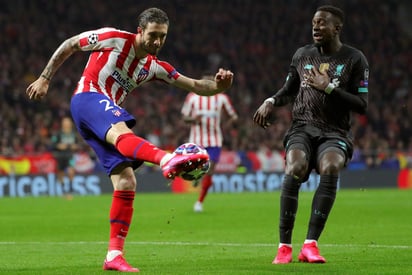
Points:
(204, 115)
(119, 62)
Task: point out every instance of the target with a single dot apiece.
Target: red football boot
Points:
(284, 255)
(119, 264)
(310, 254)
(185, 164)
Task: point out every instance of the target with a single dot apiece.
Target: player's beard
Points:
(149, 50)
(318, 42)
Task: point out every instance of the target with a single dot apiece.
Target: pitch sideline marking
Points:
(208, 244)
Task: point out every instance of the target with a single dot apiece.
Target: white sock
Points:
(166, 158)
(311, 241)
(113, 254)
(286, 244)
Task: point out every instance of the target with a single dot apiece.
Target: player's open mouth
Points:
(317, 36)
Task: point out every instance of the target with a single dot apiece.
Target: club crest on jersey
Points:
(143, 73)
(93, 38)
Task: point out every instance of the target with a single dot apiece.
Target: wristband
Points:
(330, 88)
(271, 100)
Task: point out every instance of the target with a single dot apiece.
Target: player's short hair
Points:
(337, 12)
(152, 15)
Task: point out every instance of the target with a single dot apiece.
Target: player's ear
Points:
(338, 28)
(139, 30)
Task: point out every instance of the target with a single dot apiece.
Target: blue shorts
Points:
(214, 153)
(94, 114)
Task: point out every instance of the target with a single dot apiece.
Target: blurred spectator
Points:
(64, 144)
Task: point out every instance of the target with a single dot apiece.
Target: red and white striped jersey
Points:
(208, 132)
(113, 69)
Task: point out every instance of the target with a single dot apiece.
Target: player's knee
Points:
(298, 169)
(125, 180)
(330, 167)
(126, 184)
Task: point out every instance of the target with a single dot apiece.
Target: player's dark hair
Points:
(337, 12)
(152, 15)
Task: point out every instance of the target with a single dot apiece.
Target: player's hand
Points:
(262, 114)
(38, 89)
(224, 79)
(197, 119)
(316, 79)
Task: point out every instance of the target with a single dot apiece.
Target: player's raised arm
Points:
(39, 87)
(205, 87)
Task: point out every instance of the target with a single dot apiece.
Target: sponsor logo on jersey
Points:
(123, 80)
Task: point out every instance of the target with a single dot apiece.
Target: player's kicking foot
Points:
(310, 254)
(180, 164)
(284, 255)
(198, 207)
(119, 264)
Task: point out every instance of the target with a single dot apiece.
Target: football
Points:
(193, 173)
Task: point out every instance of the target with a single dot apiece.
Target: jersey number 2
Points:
(107, 107)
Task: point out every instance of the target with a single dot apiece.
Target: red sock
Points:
(121, 214)
(206, 183)
(134, 147)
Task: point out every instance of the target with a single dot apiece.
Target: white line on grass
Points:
(207, 244)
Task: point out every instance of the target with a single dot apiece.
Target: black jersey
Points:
(348, 69)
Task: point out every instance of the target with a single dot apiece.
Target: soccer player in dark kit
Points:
(327, 80)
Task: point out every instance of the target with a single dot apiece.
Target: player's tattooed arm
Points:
(206, 86)
(67, 48)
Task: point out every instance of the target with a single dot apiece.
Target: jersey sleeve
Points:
(101, 38)
(360, 78)
(187, 105)
(290, 88)
(165, 71)
(228, 106)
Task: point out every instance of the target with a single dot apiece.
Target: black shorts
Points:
(63, 160)
(315, 142)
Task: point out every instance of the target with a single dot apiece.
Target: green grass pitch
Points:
(368, 232)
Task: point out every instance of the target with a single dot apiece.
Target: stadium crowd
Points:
(254, 39)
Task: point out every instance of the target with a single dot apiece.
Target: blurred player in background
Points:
(64, 145)
(327, 80)
(204, 115)
(118, 63)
